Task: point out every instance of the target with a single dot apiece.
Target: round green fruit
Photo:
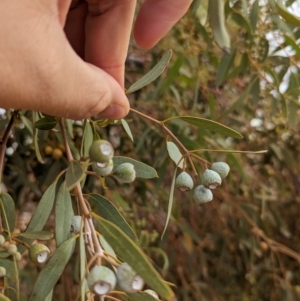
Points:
(211, 179)
(202, 195)
(221, 168)
(101, 151)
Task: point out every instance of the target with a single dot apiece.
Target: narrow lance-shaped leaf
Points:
(142, 170)
(9, 265)
(42, 235)
(130, 253)
(74, 174)
(211, 126)
(63, 214)
(107, 210)
(4, 298)
(35, 117)
(87, 139)
(46, 123)
(225, 64)
(285, 14)
(127, 128)
(52, 271)
(153, 74)
(253, 16)
(175, 154)
(82, 263)
(170, 205)
(8, 211)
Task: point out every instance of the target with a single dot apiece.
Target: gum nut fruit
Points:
(151, 293)
(202, 195)
(125, 173)
(75, 224)
(57, 153)
(2, 240)
(184, 182)
(211, 179)
(11, 249)
(128, 280)
(18, 256)
(101, 280)
(2, 272)
(103, 169)
(38, 253)
(221, 168)
(101, 151)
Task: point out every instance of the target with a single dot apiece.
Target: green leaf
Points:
(49, 296)
(35, 118)
(285, 14)
(27, 123)
(141, 296)
(42, 210)
(130, 253)
(175, 153)
(154, 73)
(42, 235)
(170, 205)
(7, 208)
(53, 269)
(225, 64)
(107, 210)
(63, 214)
(211, 126)
(82, 264)
(10, 269)
(46, 123)
(127, 128)
(74, 174)
(240, 20)
(87, 139)
(142, 170)
(254, 15)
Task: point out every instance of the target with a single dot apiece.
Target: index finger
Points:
(156, 18)
(108, 27)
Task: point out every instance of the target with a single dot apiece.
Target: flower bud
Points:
(2, 240)
(2, 272)
(221, 168)
(125, 173)
(101, 151)
(38, 253)
(184, 182)
(75, 224)
(11, 249)
(152, 293)
(128, 280)
(202, 195)
(101, 280)
(103, 169)
(211, 179)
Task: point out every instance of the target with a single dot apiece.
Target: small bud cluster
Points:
(101, 280)
(101, 153)
(211, 179)
(10, 248)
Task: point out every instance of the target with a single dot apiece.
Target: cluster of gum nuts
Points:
(38, 253)
(211, 179)
(101, 280)
(101, 154)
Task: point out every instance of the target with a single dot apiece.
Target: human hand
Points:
(41, 68)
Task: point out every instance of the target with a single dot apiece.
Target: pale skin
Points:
(69, 62)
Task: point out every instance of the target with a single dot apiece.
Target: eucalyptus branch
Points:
(78, 191)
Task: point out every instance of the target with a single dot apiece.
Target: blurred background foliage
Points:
(245, 244)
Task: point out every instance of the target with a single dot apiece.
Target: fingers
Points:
(156, 18)
(47, 75)
(108, 27)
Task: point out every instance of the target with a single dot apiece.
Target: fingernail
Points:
(113, 112)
